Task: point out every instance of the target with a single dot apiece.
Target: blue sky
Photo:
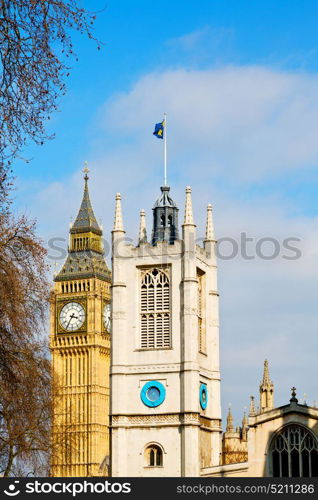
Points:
(239, 82)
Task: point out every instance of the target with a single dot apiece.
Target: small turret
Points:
(165, 218)
(234, 441)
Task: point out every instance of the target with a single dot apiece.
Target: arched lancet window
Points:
(153, 456)
(294, 453)
(169, 220)
(163, 221)
(155, 310)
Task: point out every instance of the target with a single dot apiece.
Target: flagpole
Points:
(165, 145)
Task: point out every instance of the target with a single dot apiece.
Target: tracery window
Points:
(153, 456)
(155, 309)
(294, 453)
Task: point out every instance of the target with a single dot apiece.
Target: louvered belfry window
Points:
(155, 309)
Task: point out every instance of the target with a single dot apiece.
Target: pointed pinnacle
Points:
(266, 379)
(229, 421)
(209, 231)
(252, 410)
(118, 219)
(142, 228)
(188, 212)
(244, 420)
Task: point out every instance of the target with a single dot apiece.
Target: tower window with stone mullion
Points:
(155, 310)
(201, 311)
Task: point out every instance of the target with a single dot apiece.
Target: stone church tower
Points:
(80, 346)
(165, 379)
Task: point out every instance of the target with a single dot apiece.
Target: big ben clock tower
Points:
(80, 346)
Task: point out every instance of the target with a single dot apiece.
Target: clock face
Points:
(106, 317)
(153, 394)
(72, 316)
(203, 396)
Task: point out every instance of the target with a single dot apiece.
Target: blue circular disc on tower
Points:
(203, 396)
(153, 394)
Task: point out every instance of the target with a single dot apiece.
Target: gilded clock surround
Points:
(61, 303)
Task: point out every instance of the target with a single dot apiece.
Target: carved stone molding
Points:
(163, 419)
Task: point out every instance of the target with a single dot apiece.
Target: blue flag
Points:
(159, 128)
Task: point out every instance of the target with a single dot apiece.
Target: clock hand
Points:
(71, 317)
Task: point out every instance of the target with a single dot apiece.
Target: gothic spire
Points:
(266, 390)
(229, 421)
(86, 220)
(85, 257)
(142, 228)
(118, 219)
(188, 212)
(266, 373)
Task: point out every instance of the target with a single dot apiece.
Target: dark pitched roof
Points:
(84, 264)
(86, 220)
(164, 199)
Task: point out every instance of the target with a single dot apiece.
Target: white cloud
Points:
(229, 129)
(250, 120)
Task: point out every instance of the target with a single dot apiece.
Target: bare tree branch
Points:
(35, 45)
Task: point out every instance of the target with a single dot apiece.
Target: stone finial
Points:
(293, 399)
(209, 231)
(118, 219)
(142, 228)
(188, 212)
(85, 171)
(229, 421)
(252, 411)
